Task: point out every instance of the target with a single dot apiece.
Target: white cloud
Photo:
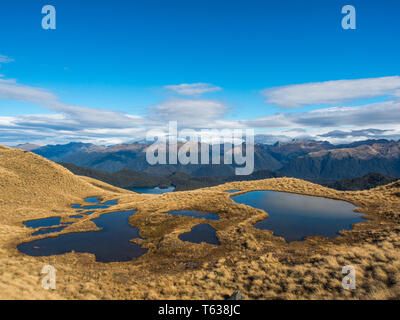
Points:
(77, 123)
(376, 114)
(331, 92)
(337, 125)
(96, 125)
(189, 112)
(383, 113)
(5, 59)
(71, 115)
(10, 89)
(355, 133)
(193, 89)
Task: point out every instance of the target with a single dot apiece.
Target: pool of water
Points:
(112, 243)
(91, 200)
(294, 217)
(46, 222)
(155, 190)
(195, 214)
(201, 233)
(110, 203)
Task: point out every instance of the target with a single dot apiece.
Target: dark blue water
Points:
(155, 190)
(46, 222)
(111, 203)
(110, 244)
(294, 217)
(91, 200)
(201, 233)
(76, 216)
(195, 214)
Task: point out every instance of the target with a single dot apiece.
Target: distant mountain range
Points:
(347, 162)
(130, 179)
(318, 161)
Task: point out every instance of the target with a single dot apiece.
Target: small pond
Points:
(201, 233)
(294, 216)
(91, 200)
(112, 243)
(46, 222)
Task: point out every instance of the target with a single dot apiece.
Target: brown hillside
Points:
(30, 181)
(258, 263)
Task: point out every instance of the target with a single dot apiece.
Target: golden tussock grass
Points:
(261, 265)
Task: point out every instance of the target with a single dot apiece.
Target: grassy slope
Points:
(31, 182)
(258, 263)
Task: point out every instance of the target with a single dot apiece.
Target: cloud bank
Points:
(333, 123)
(331, 92)
(194, 89)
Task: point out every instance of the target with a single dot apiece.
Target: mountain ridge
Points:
(304, 159)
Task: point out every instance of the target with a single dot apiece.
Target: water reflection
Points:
(294, 216)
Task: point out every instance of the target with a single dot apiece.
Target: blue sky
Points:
(121, 57)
